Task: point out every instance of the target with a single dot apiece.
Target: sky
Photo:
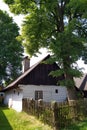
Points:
(18, 20)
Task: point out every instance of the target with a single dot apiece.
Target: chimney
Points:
(25, 64)
(1, 87)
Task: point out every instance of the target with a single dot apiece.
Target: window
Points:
(56, 90)
(1, 94)
(38, 95)
(14, 91)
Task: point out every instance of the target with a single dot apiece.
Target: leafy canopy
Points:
(10, 48)
(60, 26)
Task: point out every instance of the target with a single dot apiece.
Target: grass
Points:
(82, 125)
(11, 120)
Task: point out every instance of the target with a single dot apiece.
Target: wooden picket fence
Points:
(55, 114)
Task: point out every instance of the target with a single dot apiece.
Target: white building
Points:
(36, 83)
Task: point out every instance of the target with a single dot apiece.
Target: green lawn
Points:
(11, 120)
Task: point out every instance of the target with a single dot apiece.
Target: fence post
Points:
(55, 115)
(40, 107)
(32, 106)
(23, 104)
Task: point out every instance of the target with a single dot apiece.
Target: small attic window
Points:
(56, 90)
(14, 91)
(18, 93)
(1, 94)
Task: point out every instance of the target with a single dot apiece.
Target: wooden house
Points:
(36, 83)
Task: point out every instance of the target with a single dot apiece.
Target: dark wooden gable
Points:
(40, 75)
(83, 84)
(83, 87)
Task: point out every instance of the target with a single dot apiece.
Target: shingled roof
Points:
(16, 82)
(81, 83)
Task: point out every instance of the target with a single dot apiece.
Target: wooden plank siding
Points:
(40, 75)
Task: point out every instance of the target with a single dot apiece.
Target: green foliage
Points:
(60, 26)
(10, 48)
(46, 116)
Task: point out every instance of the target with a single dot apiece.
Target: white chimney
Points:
(25, 64)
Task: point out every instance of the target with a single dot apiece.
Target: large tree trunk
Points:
(72, 94)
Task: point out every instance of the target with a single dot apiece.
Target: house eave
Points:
(17, 81)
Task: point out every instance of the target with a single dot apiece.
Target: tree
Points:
(10, 48)
(60, 26)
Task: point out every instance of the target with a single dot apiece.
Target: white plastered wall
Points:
(49, 92)
(14, 100)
